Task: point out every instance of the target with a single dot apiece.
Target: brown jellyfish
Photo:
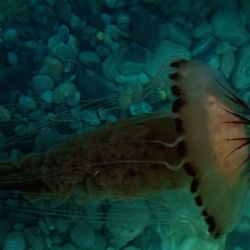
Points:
(199, 145)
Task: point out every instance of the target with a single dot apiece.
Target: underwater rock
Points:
(51, 2)
(123, 20)
(42, 83)
(166, 52)
(246, 211)
(111, 248)
(111, 4)
(100, 242)
(10, 35)
(16, 10)
(104, 115)
(106, 18)
(132, 94)
(201, 46)
(63, 11)
(132, 79)
(15, 77)
(245, 4)
(19, 226)
(69, 246)
(113, 45)
(182, 21)
(149, 239)
(92, 86)
(46, 225)
(4, 228)
(63, 33)
(113, 32)
(82, 235)
(12, 58)
(215, 4)
(26, 103)
(5, 114)
(202, 30)
(213, 61)
(89, 58)
(14, 241)
(64, 53)
(145, 27)
(90, 117)
(44, 17)
(175, 34)
(140, 108)
(227, 63)
(227, 25)
(124, 227)
(97, 22)
(131, 248)
(199, 244)
(77, 26)
(126, 61)
(241, 72)
(224, 47)
(64, 92)
(53, 67)
(238, 248)
(89, 7)
(93, 210)
(126, 97)
(244, 224)
(41, 141)
(200, 9)
(61, 226)
(103, 51)
(21, 129)
(47, 96)
(55, 247)
(173, 218)
(56, 238)
(35, 238)
(53, 41)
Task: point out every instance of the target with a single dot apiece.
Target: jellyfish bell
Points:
(196, 151)
(217, 144)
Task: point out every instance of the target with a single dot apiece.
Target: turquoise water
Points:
(68, 67)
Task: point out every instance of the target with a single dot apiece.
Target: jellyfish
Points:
(194, 148)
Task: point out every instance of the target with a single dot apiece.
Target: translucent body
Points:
(175, 152)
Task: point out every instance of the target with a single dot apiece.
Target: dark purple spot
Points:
(182, 149)
(177, 104)
(175, 90)
(174, 76)
(189, 169)
(194, 185)
(198, 201)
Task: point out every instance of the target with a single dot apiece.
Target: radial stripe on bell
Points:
(212, 118)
